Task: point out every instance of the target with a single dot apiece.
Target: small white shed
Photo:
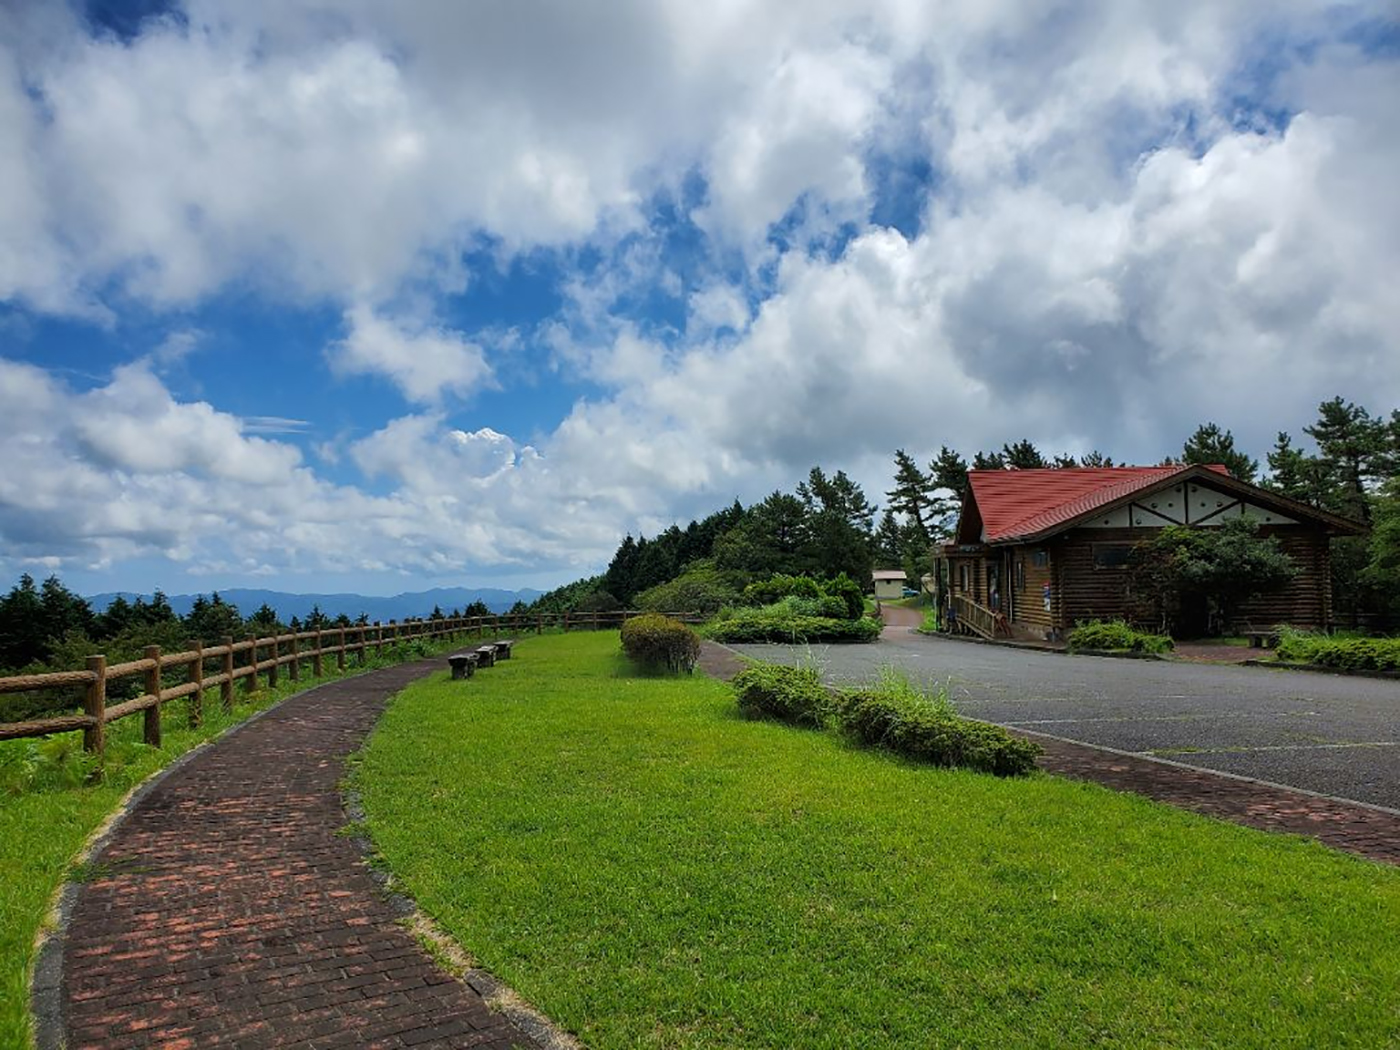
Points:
(889, 584)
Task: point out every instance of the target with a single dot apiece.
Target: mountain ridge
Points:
(377, 607)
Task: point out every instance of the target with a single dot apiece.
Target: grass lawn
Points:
(48, 811)
(652, 870)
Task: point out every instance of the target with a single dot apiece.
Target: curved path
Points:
(226, 910)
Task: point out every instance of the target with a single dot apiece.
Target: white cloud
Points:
(1109, 249)
(426, 362)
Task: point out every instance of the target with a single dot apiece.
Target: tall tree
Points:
(1209, 445)
(1095, 459)
(912, 494)
(1063, 461)
(1023, 456)
(1352, 446)
(989, 461)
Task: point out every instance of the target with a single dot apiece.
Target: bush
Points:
(657, 641)
(699, 590)
(791, 694)
(1344, 654)
(780, 585)
(831, 608)
(774, 624)
(899, 718)
(1115, 635)
(845, 588)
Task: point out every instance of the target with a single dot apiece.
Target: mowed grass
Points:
(48, 810)
(651, 870)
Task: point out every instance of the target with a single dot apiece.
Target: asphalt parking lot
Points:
(1331, 734)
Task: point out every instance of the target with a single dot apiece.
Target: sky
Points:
(346, 295)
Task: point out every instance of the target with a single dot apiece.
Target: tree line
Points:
(828, 525)
(47, 625)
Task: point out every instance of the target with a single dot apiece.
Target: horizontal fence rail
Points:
(202, 667)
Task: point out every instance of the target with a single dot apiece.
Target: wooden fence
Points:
(204, 667)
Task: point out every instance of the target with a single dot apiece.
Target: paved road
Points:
(1326, 733)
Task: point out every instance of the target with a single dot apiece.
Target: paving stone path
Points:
(1365, 830)
(225, 910)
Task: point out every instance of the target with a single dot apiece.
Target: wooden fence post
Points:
(95, 706)
(272, 668)
(226, 687)
(152, 727)
(318, 667)
(196, 675)
(295, 666)
(378, 639)
(250, 681)
(340, 649)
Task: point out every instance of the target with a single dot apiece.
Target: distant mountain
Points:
(398, 607)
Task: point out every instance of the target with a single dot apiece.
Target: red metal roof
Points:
(1016, 503)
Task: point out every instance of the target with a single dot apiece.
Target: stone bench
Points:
(486, 655)
(1262, 639)
(503, 648)
(463, 665)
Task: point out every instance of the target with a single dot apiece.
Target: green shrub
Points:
(780, 585)
(843, 587)
(1344, 654)
(657, 642)
(901, 719)
(791, 694)
(700, 589)
(777, 625)
(826, 605)
(1116, 635)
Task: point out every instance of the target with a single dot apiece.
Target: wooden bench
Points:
(486, 656)
(463, 665)
(1262, 639)
(503, 648)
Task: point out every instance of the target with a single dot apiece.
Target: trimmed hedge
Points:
(894, 716)
(657, 641)
(1117, 636)
(1344, 654)
(916, 728)
(774, 625)
(790, 694)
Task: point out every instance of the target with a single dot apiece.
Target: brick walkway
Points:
(225, 910)
(1369, 832)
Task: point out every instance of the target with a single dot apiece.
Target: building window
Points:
(962, 577)
(1040, 559)
(1112, 555)
(1020, 580)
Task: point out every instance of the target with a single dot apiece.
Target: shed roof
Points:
(888, 574)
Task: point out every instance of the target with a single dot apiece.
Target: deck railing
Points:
(203, 667)
(974, 617)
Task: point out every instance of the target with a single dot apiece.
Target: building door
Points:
(994, 596)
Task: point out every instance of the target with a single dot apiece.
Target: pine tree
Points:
(1095, 459)
(989, 461)
(1023, 456)
(912, 494)
(1210, 445)
(1352, 446)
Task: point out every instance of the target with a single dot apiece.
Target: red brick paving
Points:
(227, 911)
(1366, 831)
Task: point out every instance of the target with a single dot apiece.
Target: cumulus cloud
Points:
(1120, 221)
(426, 362)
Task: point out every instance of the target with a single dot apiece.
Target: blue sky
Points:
(339, 295)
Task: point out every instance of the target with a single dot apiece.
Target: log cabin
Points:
(1037, 551)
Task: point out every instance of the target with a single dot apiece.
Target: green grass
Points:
(650, 869)
(48, 810)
